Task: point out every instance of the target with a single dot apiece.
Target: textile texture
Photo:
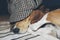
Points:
(20, 9)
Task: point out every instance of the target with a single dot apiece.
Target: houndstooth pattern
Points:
(20, 9)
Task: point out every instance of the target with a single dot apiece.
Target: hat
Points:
(20, 9)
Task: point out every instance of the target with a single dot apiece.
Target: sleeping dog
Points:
(23, 25)
(35, 21)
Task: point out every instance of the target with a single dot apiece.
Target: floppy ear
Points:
(35, 16)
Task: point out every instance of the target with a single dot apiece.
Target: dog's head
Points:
(22, 26)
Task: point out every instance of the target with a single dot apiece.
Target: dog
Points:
(36, 13)
(34, 21)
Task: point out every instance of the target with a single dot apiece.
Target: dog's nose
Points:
(16, 30)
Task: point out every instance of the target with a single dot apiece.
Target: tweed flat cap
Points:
(20, 9)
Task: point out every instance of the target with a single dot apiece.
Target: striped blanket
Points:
(29, 35)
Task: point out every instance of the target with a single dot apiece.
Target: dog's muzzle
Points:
(17, 30)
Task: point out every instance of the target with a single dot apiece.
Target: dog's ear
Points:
(35, 16)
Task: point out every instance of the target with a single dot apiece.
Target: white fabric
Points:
(41, 36)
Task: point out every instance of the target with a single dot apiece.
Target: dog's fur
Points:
(54, 16)
(51, 17)
(35, 16)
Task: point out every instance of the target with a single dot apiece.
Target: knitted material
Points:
(20, 9)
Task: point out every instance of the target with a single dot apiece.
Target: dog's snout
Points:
(16, 30)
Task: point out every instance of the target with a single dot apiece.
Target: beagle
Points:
(35, 17)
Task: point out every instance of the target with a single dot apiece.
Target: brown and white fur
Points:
(34, 21)
(50, 17)
(24, 24)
